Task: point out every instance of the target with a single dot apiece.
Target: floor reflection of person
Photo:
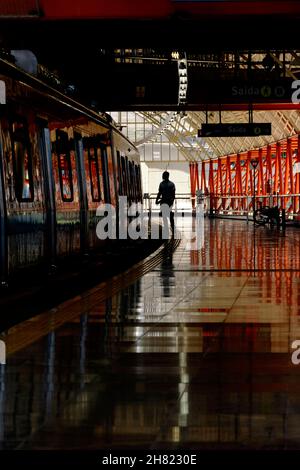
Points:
(166, 195)
(167, 270)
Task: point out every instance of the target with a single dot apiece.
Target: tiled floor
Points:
(195, 354)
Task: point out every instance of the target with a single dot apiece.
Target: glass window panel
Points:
(94, 174)
(165, 152)
(139, 135)
(174, 153)
(148, 152)
(22, 165)
(65, 173)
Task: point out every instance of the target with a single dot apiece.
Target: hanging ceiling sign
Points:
(252, 129)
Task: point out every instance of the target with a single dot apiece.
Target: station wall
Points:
(179, 174)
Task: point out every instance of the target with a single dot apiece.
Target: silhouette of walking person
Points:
(166, 195)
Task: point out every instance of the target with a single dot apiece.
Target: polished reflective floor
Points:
(195, 354)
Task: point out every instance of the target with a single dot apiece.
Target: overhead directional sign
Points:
(252, 129)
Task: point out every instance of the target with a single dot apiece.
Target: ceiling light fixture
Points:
(183, 82)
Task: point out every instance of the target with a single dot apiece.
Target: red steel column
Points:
(228, 179)
(203, 180)
(260, 185)
(297, 180)
(238, 177)
(278, 187)
(197, 175)
(192, 184)
(248, 179)
(269, 164)
(211, 184)
(289, 170)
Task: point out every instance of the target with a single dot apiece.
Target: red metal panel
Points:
(228, 177)
(238, 175)
(197, 176)
(194, 180)
(19, 8)
(220, 175)
(203, 180)
(297, 180)
(249, 156)
(211, 184)
(260, 186)
(275, 179)
(289, 157)
(268, 174)
(191, 178)
(278, 186)
(54, 9)
(161, 8)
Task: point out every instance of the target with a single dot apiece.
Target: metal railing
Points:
(183, 203)
(231, 206)
(244, 205)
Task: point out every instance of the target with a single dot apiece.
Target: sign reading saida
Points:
(252, 129)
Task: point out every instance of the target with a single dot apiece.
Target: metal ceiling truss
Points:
(224, 171)
(182, 131)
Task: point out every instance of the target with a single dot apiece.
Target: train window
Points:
(135, 182)
(140, 183)
(105, 174)
(64, 167)
(128, 179)
(124, 176)
(22, 162)
(137, 179)
(111, 174)
(132, 181)
(94, 174)
(120, 179)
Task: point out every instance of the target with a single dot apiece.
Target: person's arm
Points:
(158, 195)
(173, 192)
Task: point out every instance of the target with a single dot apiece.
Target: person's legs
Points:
(172, 221)
(165, 211)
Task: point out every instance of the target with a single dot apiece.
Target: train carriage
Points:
(59, 162)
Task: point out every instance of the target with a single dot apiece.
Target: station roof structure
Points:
(181, 131)
(181, 127)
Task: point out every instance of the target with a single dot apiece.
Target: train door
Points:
(94, 177)
(111, 173)
(66, 193)
(139, 183)
(23, 192)
(129, 183)
(49, 193)
(120, 184)
(80, 166)
(105, 174)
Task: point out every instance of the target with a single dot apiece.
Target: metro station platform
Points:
(196, 353)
